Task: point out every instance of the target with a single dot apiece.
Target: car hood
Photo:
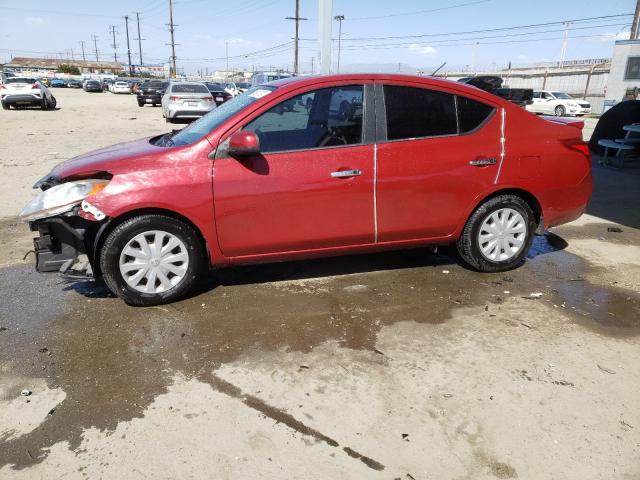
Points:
(113, 159)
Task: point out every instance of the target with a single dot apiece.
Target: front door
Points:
(442, 150)
(310, 188)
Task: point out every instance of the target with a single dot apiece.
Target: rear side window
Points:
(472, 113)
(189, 88)
(419, 112)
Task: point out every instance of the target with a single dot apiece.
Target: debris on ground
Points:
(304, 366)
(405, 437)
(606, 370)
(445, 271)
(534, 295)
(51, 411)
(577, 279)
(26, 392)
(507, 279)
(447, 395)
(378, 351)
(614, 229)
(3, 329)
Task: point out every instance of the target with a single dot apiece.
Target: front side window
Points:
(419, 112)
(328, 117)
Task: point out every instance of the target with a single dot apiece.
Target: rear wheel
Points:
(152, 259)
(5, 106)
(559, 111)
(140, 104)
(53, 102)
(498, 234)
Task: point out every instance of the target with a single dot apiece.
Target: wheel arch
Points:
(107, 227)
(527, 196)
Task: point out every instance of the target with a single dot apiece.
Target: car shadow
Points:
(423, 257)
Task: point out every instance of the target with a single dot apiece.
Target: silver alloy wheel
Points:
(502, 234)
(154, 261)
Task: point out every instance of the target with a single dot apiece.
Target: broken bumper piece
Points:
(64, 245)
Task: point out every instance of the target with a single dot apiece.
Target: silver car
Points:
(186, 100)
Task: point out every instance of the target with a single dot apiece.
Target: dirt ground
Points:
(397, 365)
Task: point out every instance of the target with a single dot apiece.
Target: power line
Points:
(418, 12)
(533, 25)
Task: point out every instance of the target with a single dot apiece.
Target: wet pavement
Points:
(113, 361)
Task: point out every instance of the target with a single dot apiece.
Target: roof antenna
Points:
(438, 69)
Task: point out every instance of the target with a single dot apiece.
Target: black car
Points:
(92, 86)
(151, 92)
(220, 95)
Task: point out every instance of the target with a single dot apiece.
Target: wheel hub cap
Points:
(154, 262)
(502, 234)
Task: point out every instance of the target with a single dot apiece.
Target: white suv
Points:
(558, 104)
(25, 91)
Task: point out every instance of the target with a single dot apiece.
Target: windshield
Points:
(562, 95)
(217, 116)
(20, 80)
(189, 88)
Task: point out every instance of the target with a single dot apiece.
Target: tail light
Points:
(35, 85)
(581, 147)
(207, 99)
(174, 98)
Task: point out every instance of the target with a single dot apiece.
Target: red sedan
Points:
(308, 167)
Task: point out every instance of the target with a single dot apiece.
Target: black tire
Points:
(140, 104)
(469, 245)
(5, 106)
(123, 233)
(559, 111)
(44, 104)
(53, 102)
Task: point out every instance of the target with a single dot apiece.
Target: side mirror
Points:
(243, 144)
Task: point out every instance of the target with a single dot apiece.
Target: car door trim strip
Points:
(503, 118)
(375, 193)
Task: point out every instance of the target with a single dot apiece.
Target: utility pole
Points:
(72, 58)
(126, 22)
(173, 43)
(312, 70)
(636, 20)
(95, 45)
(139, 37)
(297, 19)
(114, 45)
(226, 50)
(82, 44)
(339, 18)
(565, 39)
(325, 8)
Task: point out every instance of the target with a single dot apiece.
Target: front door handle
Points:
(483, 162)
(346, 173)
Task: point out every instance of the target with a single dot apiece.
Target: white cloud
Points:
(34, 20)
(421, 49)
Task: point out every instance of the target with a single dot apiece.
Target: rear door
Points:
(439, 151)
(310, 188)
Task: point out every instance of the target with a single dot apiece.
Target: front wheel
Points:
(5, 106)
(152, 259)
(559, 111)
(498, 234)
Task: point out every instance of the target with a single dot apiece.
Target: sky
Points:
(376, 35)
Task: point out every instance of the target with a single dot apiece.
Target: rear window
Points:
(189, 88)
(20, 80)
(153, 84)
(471, 113)
(419, 112)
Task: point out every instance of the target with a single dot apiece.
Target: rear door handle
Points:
(346, 173)
(483, 162)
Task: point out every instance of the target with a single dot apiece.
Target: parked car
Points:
(493, 84)
(186, 100)
(121, 87)
(558, 104)
(151, 92)
(236, 88)
(220, 95)
(72, 83)
(45, 81)
(426, 162)
(266, 77)
(106, 84)
(5, 74)
(58, 83)
(25, 92)
(92, 86)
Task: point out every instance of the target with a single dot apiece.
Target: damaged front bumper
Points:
(65, 244)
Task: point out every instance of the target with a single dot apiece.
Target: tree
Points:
(70, 69)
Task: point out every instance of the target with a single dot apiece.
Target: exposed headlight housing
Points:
(61, 198)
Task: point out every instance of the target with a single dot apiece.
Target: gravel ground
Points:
(397, 365)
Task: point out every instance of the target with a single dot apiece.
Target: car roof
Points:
(309, 80)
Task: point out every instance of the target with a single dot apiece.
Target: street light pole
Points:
(340, 18)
